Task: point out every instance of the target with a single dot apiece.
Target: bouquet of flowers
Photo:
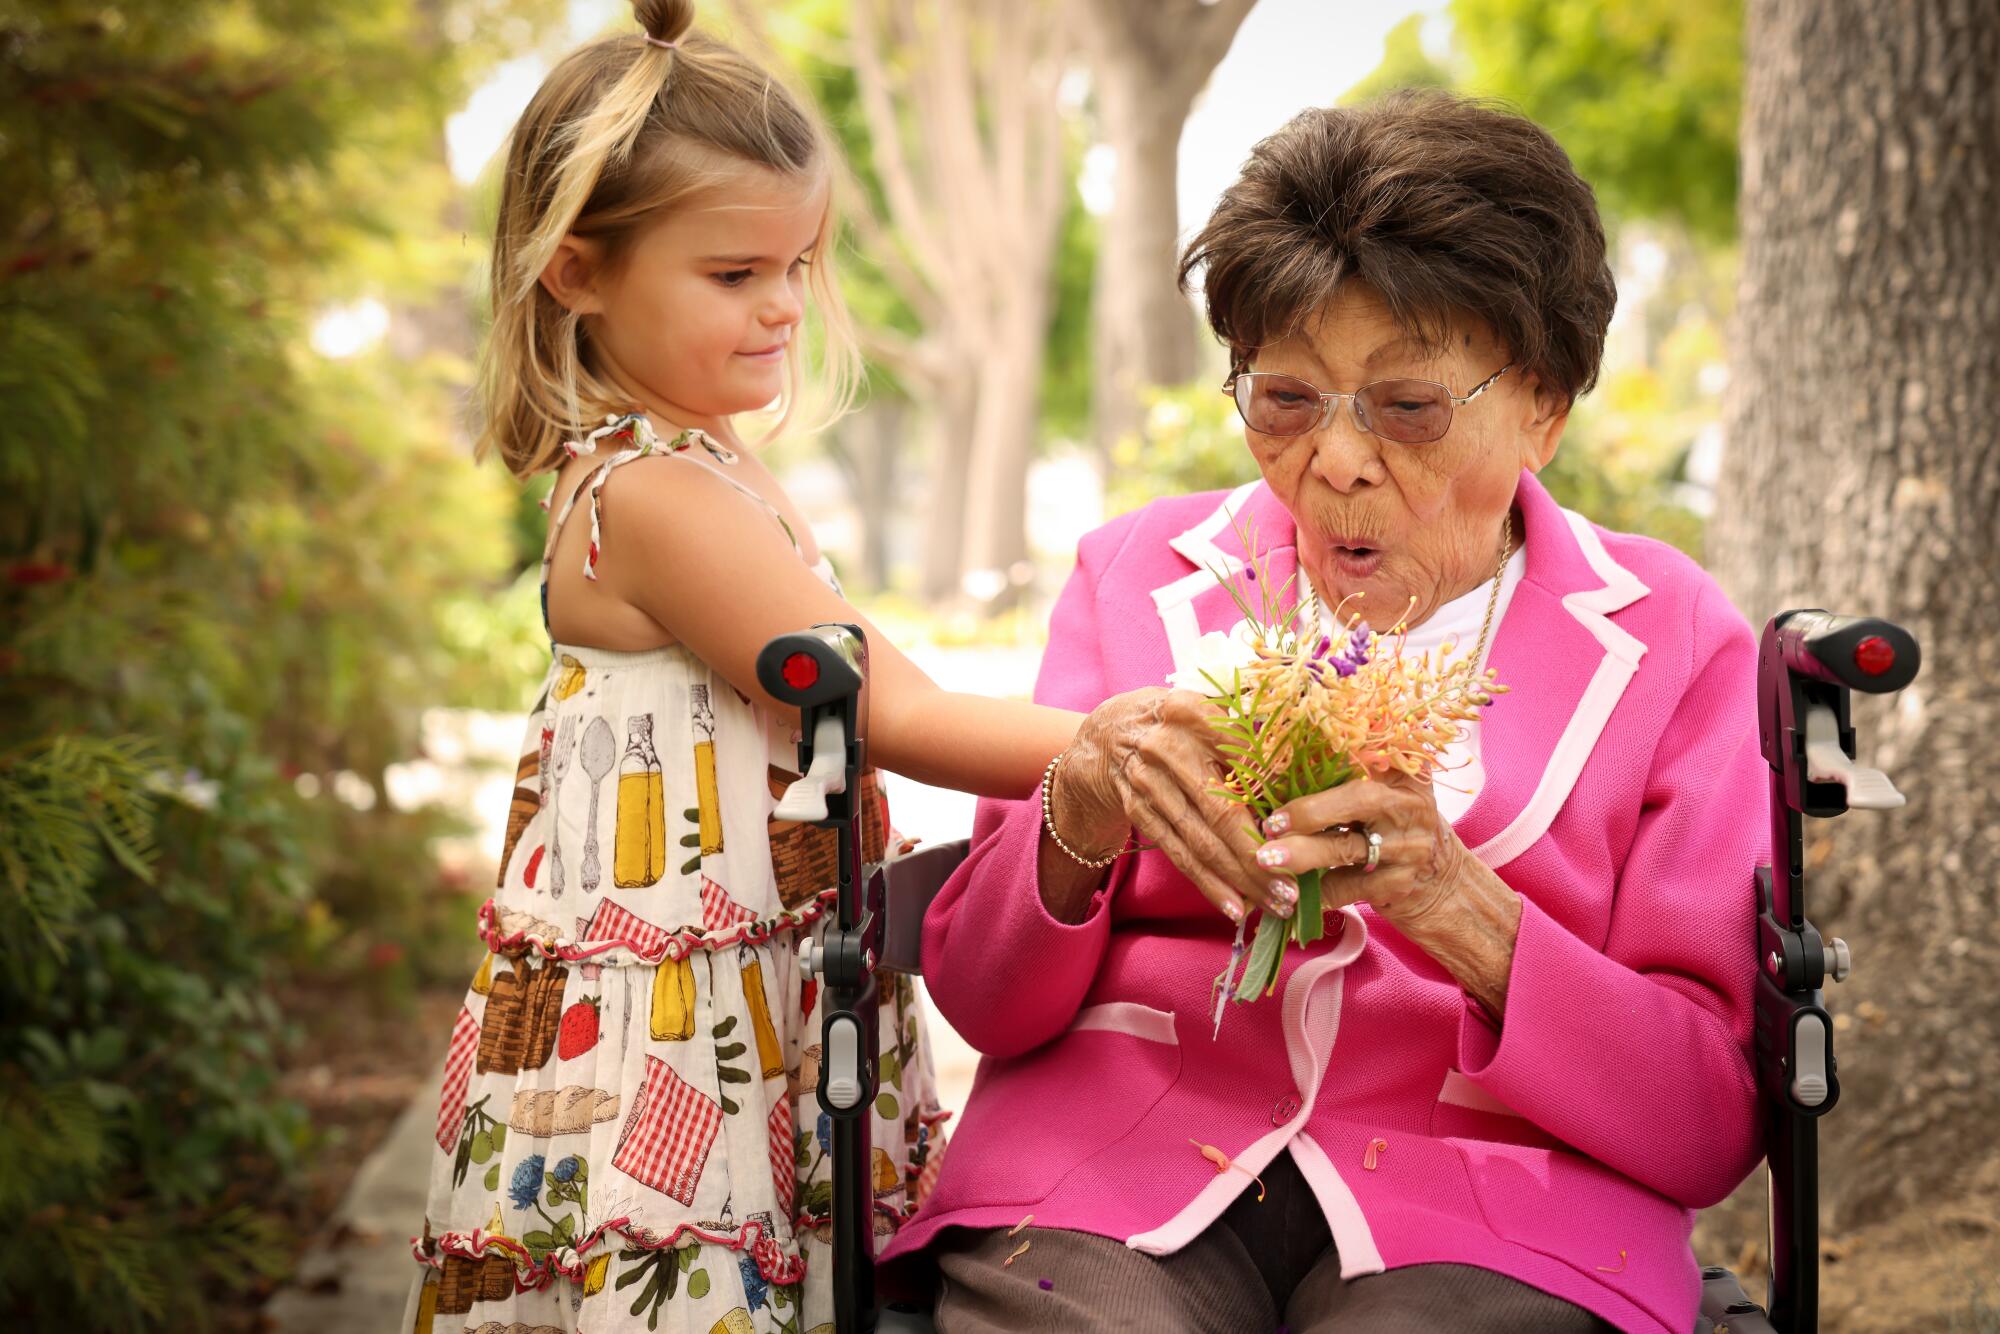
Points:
(1304, 710)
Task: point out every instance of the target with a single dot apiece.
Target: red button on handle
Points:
(801, 670)
(1874, 655)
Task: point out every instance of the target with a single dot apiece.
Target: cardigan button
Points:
(1286, 1108)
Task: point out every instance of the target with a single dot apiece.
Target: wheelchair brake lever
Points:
(1867, 789)
(805, 799)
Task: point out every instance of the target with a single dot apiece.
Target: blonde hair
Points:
(622, 130)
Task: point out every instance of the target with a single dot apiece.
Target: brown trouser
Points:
(1254, 1269)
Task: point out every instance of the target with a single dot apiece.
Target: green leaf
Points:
(1266, 949)
(684, 1257)
(730, 1106)
(1309, 914)
(729, 1074)
(493, 1177)
(566, 1229)
(892, 1069)
(729, 1052)
(818, 1197)
(726, 1027)
(698, 1284)
(887, 1107)
(540, 1242)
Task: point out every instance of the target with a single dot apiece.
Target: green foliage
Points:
(1191, 441)
(1644, 94)
(221, 561)
(1405, 64)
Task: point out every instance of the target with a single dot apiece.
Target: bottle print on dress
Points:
(673, 1001)
(708, 797)
(769, 1051)
(639, 854)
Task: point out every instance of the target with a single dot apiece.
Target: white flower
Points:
(1218, 655)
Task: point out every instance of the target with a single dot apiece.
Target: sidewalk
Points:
(354, 1277)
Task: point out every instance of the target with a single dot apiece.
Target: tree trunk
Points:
(867, 445)
(1149, 59)
(1862, 475)
(1142, 327)
(944, 513)
(1003, 445)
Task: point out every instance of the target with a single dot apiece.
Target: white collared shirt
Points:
(1460, 774)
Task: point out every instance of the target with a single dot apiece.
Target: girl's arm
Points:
(715, 570)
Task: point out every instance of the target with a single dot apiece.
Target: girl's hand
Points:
(1147, 762)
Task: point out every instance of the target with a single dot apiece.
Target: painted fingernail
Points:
(1284, 891)
(1283, 909)
(1272, 854)
(1232, 911)
(1279, 823)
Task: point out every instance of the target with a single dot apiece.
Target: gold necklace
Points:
(1493, 598)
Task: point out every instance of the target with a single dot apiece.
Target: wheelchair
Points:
(1809, 662)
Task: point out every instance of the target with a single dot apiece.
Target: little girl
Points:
(628, 1137)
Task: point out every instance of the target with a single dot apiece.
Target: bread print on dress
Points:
(543, 1113)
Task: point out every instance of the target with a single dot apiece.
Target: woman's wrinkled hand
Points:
(1147, 762)
(1422, 863)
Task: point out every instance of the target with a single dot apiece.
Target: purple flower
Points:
(1353, 654)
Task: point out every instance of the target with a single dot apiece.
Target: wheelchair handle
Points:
(1864, 653)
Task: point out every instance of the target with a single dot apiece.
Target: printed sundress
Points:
(628, 1136)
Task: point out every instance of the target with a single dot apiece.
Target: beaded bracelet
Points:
(1049, 823)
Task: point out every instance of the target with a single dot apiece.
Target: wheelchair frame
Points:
(1809, 662)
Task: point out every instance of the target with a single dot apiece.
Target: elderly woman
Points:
(1493, 1096)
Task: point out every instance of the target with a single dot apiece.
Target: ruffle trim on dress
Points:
(773, 1261)
(654, 944)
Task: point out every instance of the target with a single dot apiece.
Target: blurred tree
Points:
(900, 418)
(1643, 94)
(1643, 98)
(1148, 61)
(963, 180)
(221, 555)
(1862, 475)
(1405, 64)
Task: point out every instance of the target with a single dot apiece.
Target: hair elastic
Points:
(663, 45)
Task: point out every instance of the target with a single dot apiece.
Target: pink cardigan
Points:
(1624, 800)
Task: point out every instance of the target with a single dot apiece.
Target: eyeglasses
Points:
(1409, 412)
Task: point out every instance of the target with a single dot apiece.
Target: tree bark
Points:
(1148, 61)
(1862, 475)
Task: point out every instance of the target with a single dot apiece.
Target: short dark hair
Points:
(1445, 205)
